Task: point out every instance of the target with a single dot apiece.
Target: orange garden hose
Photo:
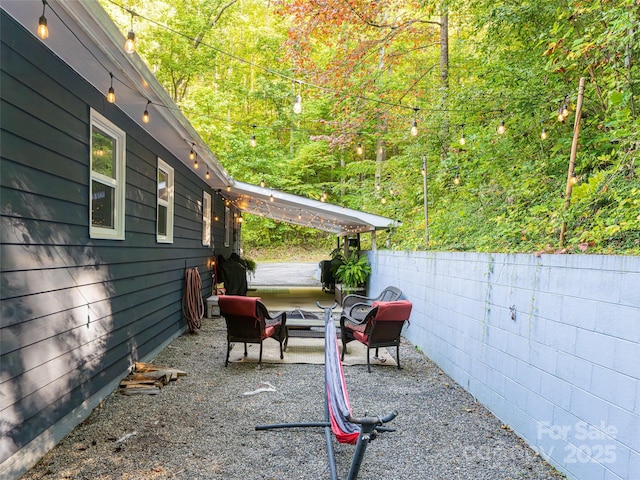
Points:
(192, 303)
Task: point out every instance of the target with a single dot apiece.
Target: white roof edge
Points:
(373, 221)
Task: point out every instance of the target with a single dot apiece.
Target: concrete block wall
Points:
(550, 344)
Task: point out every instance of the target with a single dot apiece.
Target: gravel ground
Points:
(202, 426)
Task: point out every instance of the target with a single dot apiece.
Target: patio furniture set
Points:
(374, 321)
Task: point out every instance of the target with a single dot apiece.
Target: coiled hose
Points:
(192, 303)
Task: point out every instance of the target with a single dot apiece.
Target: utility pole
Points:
(572, 160)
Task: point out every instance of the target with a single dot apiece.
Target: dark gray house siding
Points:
(76, 311)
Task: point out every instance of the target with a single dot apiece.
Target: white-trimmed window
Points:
(108, 180)
(164, 221)
(206, 219)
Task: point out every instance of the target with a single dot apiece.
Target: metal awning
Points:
(298, 210)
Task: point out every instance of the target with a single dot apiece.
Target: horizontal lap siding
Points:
(76, 312)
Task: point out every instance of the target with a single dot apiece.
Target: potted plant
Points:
(352, 274)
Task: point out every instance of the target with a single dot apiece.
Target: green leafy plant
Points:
(354, 271)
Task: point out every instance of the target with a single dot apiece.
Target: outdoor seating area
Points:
(204, 425)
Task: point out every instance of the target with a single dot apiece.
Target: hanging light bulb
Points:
(543, 134)
(271, 196)
(130, 43)
(424, 166)
(384, 200)
(462, 139)
(195, 162)
(228, 188)
(502, 128)
(253, 138)
(43, 30)
(565, 106)
(262, 182)
(145, 115)
(456, 179)
(560, 115)
(574, 178)
(297, 106)
(111, 94)
(414, 127)
(207, 175)
(192, 154)
(300, 215)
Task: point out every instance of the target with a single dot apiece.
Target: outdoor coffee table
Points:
(307, 324)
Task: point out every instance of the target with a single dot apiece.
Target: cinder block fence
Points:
(550, 344)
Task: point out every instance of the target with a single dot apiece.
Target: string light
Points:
(502, 128)
(565, 107)
(228, 188)
(207, 175)
(543, 134)
(192, 154)
(462, 139)
(145, 115)
(414, 127)
(43, 30)
(253, 137)
(271, 196)
(297, 106)
(111, 94)
(574, 178)
(195, 162)
(130, 43)
(262, 184)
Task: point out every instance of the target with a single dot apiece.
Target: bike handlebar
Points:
(373, 420)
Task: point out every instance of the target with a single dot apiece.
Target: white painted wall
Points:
(550, 344)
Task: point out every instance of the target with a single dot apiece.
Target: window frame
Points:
(206, 219)
(119, 183)
(169, 204)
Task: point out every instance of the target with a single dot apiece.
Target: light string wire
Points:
(396, 104)
(273, 72)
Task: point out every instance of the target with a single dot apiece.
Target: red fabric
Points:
(361, 337)
(399, 310)
(238, 305)
(268, 331)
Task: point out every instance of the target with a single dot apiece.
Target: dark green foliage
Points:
(510, 61)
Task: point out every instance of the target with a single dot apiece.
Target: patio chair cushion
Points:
(398, 310)
(242, 306)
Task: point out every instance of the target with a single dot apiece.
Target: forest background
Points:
(365, 72)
